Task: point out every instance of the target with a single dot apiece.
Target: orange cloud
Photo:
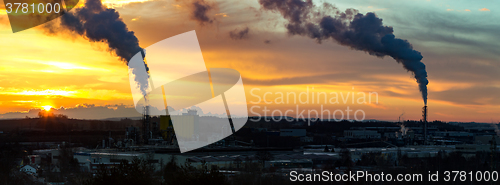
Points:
(120, 3)
(221, 14)
(484, 10)
(377, 106)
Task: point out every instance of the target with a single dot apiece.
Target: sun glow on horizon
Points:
(47, 107)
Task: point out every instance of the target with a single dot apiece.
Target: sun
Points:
(47, 107)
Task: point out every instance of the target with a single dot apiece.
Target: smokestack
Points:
(424, 119)
(352, 29)
(424, 114)
(399, 118)
(146, 125)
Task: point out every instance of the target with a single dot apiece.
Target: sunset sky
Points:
(458, 38)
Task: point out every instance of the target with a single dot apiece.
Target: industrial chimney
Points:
(146, 124)
(424, 119)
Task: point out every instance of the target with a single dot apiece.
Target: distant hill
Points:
(64, 124)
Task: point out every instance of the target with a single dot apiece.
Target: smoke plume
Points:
(239, 34)
(100, 24)
(350, 28)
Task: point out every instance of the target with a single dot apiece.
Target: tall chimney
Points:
(424, 119)
(146, 124)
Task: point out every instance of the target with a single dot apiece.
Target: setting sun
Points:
(47, 107)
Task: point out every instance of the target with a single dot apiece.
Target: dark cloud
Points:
(267, 41)
(200, 12)
(239, 34)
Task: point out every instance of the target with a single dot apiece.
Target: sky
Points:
(458, 40)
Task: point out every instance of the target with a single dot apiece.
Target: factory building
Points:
(92, 160)
(361, 134)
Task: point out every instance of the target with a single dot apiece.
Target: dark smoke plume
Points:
(100, 24)
(239, 34)
(350, 28)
